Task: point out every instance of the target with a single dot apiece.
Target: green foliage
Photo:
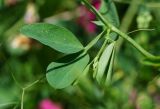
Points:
(53, 36)
(149, 62)
(7, 97)
(144, 102)
(85, 73)
(105, 64)
(61, 75)
(108, 10)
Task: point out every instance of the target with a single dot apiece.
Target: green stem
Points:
(101, 18)
(137, 46)
(104, 44)
(27, 87)
(123, 35)
(140, 30)
(30, 85)
(100, 51)
(22, 98)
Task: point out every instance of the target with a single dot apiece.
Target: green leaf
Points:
(108, 10)
(110, 69)
(53, 36)
(104, 61)
(83, 75)
(98, 23)
(61, 75)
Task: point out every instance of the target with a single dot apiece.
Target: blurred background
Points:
(24, 60)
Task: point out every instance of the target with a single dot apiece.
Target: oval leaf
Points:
(104, 61)
(53, 36)
(61, 75)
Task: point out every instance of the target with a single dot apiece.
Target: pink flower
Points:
(87, 16)
(48, 104)
(96, 3)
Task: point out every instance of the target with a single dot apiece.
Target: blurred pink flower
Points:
(48, 104)
(87, 16)
(96, 3)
